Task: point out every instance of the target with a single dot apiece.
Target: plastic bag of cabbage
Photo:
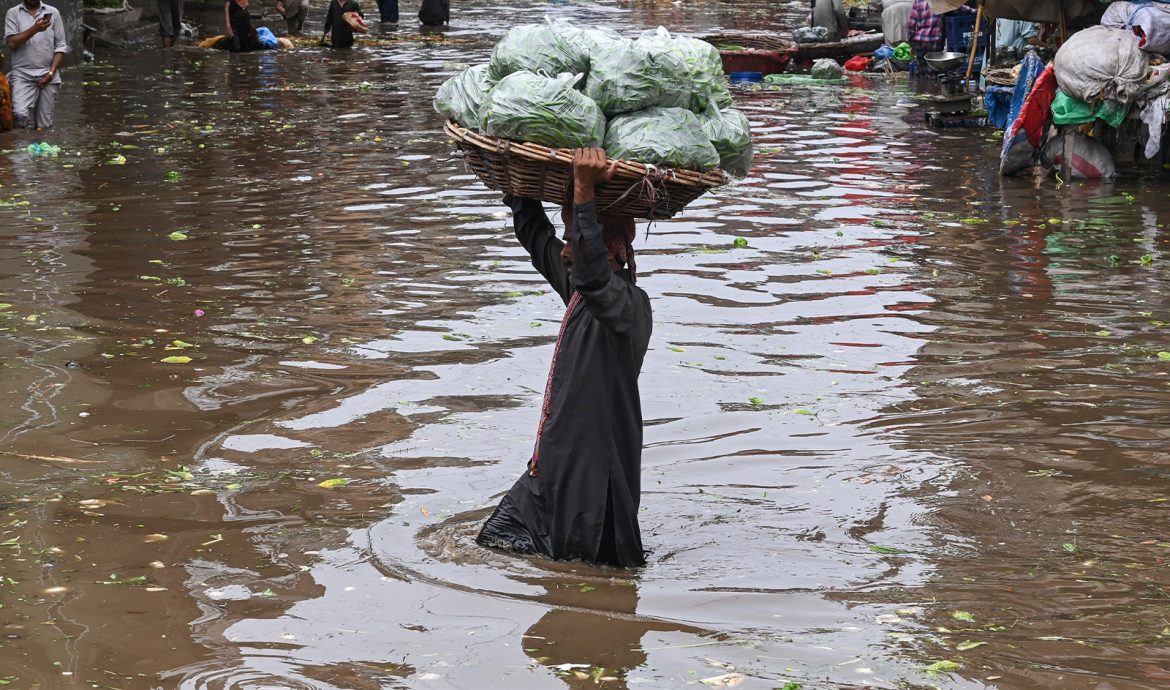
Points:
(543, 110)
(730, 134)
(671, 137)
(549, 49)
(461, 96)
(702, 81)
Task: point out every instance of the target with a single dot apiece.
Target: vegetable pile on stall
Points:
(658, 99)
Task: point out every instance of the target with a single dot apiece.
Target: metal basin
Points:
(944, 62)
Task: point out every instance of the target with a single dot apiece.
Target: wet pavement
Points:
(911, 435)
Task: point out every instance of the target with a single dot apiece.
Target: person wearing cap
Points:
(578, 497)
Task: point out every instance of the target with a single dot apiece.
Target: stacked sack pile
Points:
(1101, 73)
(658, 99)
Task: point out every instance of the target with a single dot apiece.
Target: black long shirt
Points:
(339, 30)
(582, 502)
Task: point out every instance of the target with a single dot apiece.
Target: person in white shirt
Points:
(34, 33)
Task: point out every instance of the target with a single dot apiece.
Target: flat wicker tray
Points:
(854, 45)
(538, 172)
(752, 42)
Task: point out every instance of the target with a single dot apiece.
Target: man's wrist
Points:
(582, 194)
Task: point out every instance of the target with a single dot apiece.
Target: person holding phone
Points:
(34, 34)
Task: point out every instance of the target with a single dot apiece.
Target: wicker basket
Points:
(1000, 76)
(751, 42)
(538, 172)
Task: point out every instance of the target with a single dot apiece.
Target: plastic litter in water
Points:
(44, 150)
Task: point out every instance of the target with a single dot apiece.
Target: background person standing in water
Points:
(34, 34)
(338, 30)
(580, 494)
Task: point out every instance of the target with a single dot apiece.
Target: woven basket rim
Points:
(627, 170)
(776, 42)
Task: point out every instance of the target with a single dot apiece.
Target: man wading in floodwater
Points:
(579, 497)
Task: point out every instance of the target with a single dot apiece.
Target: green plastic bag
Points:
(731, 135)
(903, 52)
(704, 68)
(583, 44)
(633, 76)
(543, 110)
(1067, 110)
(536, 48)
(671, 137)
(461, 96)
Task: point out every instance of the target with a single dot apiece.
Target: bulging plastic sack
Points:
(826, 68)
(1100, 62)
(635, 75)
(536, 48)
(704, 69)
(584, 44)
(461, 96)
(1091, 159)
(731, 135)
(671, 137)
(543, 110)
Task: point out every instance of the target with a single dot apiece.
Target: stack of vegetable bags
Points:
(660, 100)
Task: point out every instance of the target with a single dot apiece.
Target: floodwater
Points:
(912, 435)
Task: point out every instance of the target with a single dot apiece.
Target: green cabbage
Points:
(730, 134)
(461, 96)
(671, 137)
(537, 48)
(543, 110)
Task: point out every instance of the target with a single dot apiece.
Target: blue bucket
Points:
(746, 76)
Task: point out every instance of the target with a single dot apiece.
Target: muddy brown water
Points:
(912, 435)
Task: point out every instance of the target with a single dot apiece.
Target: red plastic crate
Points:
(762, 61)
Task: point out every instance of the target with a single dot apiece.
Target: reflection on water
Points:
(917, 419)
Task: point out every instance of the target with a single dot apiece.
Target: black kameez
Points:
(339, 30)
(579, 499)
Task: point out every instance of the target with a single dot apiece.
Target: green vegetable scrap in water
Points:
(44, 150)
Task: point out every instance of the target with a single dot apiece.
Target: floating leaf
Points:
(333, 483)
(804, 411)
(677, 349)
(884, 549)
(963, 616)
(177, 236)
(756, 401)
(968, 644)
(740, 243)
(1164, 356)
(941, 667)
(172, 176)
(1070, 548)
(180, 344)
(175, 359)
(1103, 333)
(309, 339)
(534, 324)
(972, 221)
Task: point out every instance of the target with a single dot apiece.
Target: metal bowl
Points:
(944, 62)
